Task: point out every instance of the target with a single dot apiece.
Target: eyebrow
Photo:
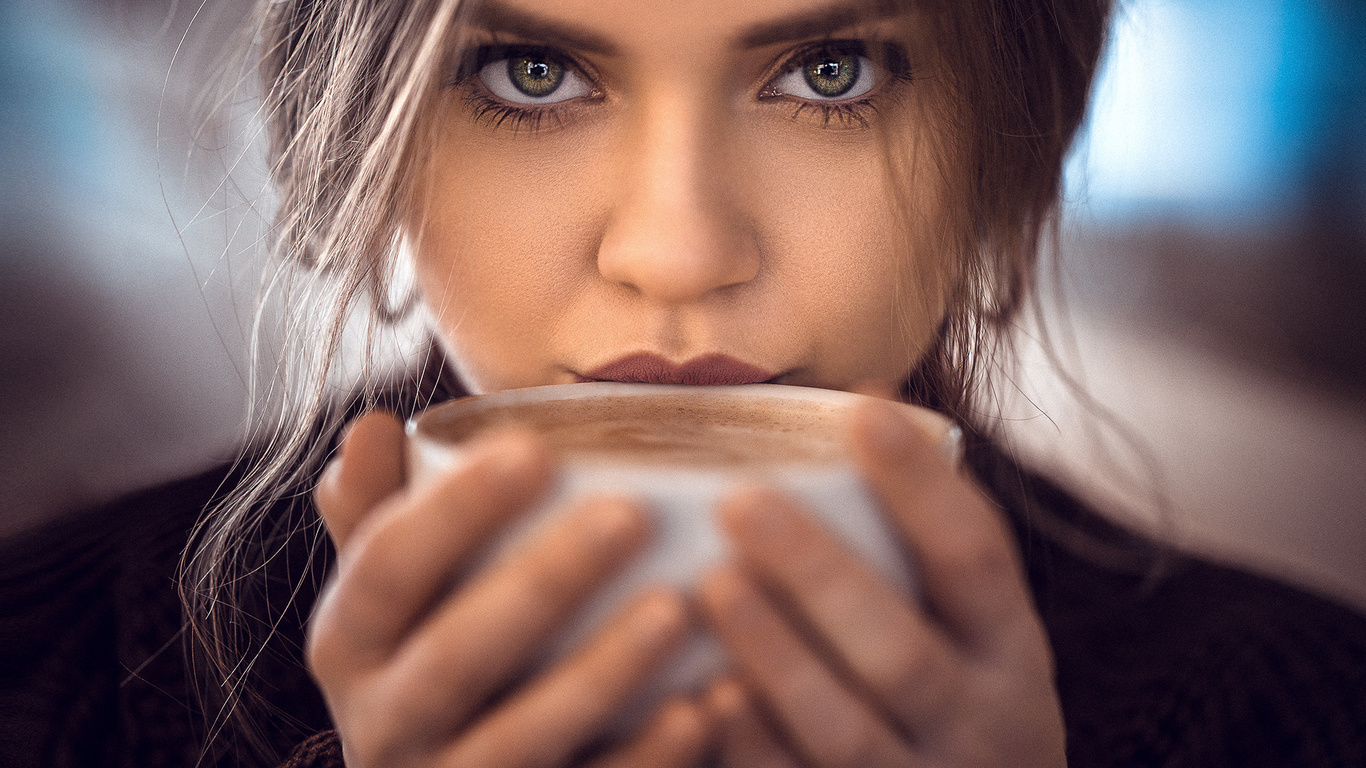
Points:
(495, 17)
(816, 23)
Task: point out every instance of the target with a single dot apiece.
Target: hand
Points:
(417, 673)
(838, 668)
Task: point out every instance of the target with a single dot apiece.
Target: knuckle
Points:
(476, 483)
(1027, 640)
(444, 676)
(375, 548)
(378, 562)
(392, 722)
(324, 496)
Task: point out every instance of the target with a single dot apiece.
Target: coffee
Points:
(668, 428)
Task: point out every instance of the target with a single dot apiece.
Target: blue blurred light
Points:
(1208, 109)
(49, 111)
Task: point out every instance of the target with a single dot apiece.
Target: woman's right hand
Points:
(417, 673)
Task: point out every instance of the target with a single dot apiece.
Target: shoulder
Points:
(1168, 659)
(1208, 665)
(41, 560)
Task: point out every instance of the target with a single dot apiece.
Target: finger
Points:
(824, 720)
(471, 646)
(410, 549)
(964, 553)
(678, 735)
(545, 724)
(745, 740)
(368, 469)
(886, 645)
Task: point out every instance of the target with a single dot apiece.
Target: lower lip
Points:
(581, 379)
(706, 371)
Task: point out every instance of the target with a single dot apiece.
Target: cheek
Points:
(852, 248)
(506, 235)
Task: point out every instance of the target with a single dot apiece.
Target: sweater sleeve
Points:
(323, 750)
(1211, 668)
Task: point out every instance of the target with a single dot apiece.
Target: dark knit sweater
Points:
(1162, 660)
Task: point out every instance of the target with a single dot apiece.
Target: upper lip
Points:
(649, 368)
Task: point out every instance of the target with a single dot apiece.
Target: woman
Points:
(808, 193)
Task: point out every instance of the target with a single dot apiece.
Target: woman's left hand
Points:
(849, 671)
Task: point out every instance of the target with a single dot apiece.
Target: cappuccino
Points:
(678, 449)
(666, 428)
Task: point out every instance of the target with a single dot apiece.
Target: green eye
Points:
(832, 76)
(535, 76)
(531, 75)
(830, 73)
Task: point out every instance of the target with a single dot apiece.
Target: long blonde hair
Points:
(344, 84)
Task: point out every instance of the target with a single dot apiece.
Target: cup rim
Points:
(419, 426)
(613, 389)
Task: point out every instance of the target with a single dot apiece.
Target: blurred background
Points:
(1212, 267)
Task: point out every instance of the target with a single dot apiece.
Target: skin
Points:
(677, 211)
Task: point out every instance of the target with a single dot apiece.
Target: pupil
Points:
(832, 77)
(536, 77)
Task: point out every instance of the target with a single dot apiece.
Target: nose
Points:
(674, 234)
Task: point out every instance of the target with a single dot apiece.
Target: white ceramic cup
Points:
(679, 449)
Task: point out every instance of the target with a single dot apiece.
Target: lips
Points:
(647, 368)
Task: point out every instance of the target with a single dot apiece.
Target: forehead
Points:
(617, 26)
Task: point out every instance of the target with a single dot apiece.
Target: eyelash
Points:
(487, 110)
(851, 114)
(496, 114)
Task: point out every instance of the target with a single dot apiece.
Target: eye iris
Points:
(832, 76)
(535, 76)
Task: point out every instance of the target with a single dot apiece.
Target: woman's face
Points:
(690, 191)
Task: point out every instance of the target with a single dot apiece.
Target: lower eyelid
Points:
(850, 112)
